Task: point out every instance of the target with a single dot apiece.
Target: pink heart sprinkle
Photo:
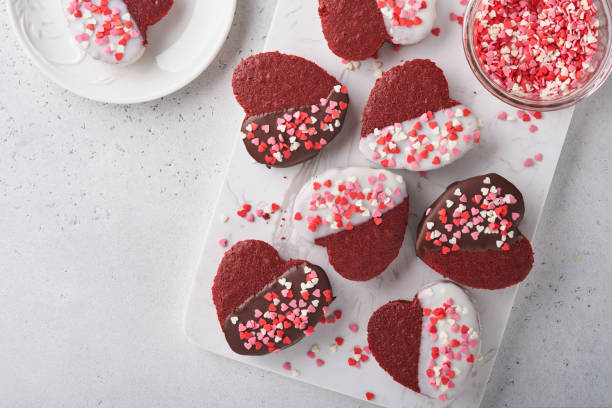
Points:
(323, 101)
(502, 116)
(287, 366)
(538, 157)
(353, 327)
(258, 313)
(223, 242)
(320, 362)
(250, 217)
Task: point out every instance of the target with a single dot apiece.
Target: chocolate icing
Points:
(309, 288)
(298, 139)
(495, 225)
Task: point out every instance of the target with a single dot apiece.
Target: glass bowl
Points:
(588, 84)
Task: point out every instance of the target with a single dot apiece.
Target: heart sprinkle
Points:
(105, 29)
(430, 141)
(359, 356)
(348, 197)
(281, 313)
(483, 209)
(276, 137)
(532, 48)
(451, 337)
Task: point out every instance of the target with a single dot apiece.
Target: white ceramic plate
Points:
(181, 46)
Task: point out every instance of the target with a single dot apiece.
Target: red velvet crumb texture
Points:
(405, 92)
(147, 12)
(394, 337)
(490, 269)
(245, 269)
(271, 82)
(354, 30)
(367, 250)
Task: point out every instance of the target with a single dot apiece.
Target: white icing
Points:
(434, 296)
(104, 49)
(389, 189)
(403, 35)
(409, 142)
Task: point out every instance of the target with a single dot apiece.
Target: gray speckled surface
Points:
(103, 211)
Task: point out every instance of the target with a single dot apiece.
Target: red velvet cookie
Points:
(358, 214)
(293, 107)
(428, 344)
(470, 234)
(114, 31)
(410, 122)
(265, 304)
(355, 30)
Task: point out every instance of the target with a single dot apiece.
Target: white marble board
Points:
(504, 146)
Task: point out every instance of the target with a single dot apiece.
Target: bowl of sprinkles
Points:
(539, 54)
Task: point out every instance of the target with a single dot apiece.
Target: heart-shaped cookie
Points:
(293, 107)
(470, 234)
(411, 123)
(428, 344)
(359, 214)
(355, 30)
(114, 31)
(265, 304)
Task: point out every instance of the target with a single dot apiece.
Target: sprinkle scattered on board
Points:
(529, 162)
(265, 212)
(369, 396)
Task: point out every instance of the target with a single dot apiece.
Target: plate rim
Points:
(121, 100)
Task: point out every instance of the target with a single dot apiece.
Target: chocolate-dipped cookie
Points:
(358, 214)
(114, 31)
(265, 304)
(429, 344)
(410, 122)
(470, 234)
(355, 30)
(293, 107)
